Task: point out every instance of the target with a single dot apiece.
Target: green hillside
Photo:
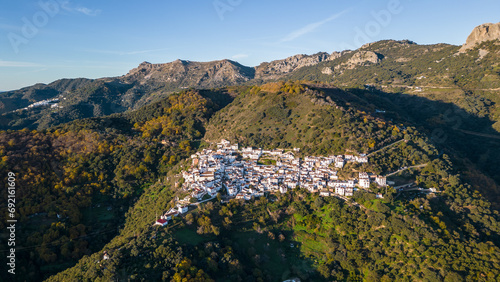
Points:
(437, 72)
(407, 236)
(76, 181)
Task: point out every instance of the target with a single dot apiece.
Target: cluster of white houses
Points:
(241, 175)
(53, 103)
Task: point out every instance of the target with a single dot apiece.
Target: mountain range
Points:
(387, 63)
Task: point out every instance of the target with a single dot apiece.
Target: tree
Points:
(453, 277)
(189, 218)
(318, 202)
(270, 235)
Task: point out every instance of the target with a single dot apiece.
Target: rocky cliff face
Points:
(360, 58)
(182, 73)
(276, 69)
(484, 32)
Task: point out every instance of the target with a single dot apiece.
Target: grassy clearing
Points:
(189, 236)
(266, 162)
(310, 244)
(282, 258)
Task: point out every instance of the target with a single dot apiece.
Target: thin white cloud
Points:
(239, 56)
(17, 64)
(87, 11)
(68, 6)
(125, 53)
(311, 27)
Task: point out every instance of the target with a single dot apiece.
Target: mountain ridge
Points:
(148, 79)
(385, 62)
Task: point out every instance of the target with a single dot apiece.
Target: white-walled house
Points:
(348, 192)
(161, 222)
(324, 193)
(339, 163)
(381, 181)
(364, 183)
(283, 189)
(339, 191)
(182, 209)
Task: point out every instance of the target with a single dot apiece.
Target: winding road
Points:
(415, 166)
(384, 147)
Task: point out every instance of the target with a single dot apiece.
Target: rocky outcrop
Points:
(335, 55)
(482, 33)
(184, 74)
(363, 57)
(327, 70)
(276, 69)
(482, 53)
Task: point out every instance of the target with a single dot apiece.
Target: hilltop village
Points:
(248, 172)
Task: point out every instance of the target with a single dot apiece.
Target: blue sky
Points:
(41, 41)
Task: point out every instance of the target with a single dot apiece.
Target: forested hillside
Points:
(76, 181)
(470, 80)
(450, 235)
(292, 114)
